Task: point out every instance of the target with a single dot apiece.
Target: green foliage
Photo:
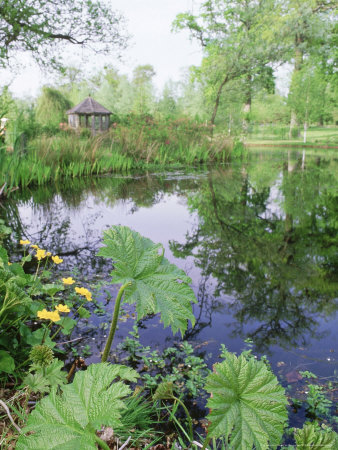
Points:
(45, 378)
(67, 22)
(318, 405)
(41, 355)
(51, 108)
(156, 286)
(7, 363)
(247, 405)
(92, 400)
(310, 437)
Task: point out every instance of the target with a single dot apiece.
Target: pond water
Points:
(258, 237)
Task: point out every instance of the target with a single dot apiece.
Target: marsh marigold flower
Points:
(24, 242)
(84, 292)
(40, 254)
(54, 316)
(62, 308)
(57, 260)
(48, 254)
(68, 280)
(34, 246)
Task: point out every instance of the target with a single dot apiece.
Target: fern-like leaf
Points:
(69, 421)
(310, 437)
(156, 286)
(248, 406)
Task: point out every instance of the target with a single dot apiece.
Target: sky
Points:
(149, 23)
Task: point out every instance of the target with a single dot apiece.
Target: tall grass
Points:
(121, 149)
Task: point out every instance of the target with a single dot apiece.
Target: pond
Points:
(258, 238)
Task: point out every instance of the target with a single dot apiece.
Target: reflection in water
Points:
(259, 240)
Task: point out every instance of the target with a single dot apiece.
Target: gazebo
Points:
(89, 114)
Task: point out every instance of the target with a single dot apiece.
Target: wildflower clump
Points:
(54, 316)
(62, 308)
(84, 292)
(41, 355)
(68, 280)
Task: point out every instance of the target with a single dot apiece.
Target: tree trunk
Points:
(218, 96)
(298, 66)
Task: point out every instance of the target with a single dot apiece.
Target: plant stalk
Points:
(188, 417)
(114, 322)
(101, 443)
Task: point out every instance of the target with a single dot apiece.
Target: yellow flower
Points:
(40, 254)
(83, 291)
(62, 308)
(68, 280)
(34, 246)
(9, 263)
(48, 254)
(24, 242)
(57, 260)
(54, 316)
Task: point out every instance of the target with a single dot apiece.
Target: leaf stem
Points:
(101, 443)
(114, 322)
(206, 442)
(178, 400)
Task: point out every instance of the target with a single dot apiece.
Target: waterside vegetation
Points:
(247, 404)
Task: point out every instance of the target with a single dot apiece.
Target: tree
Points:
(311, 28)
(51, 107)
(238, 42)
(307, 95)
(44, 28)
(142, 81)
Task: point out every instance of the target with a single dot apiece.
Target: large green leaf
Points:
(156, 286)
(310, 437)
(248, 406)
(69, 421)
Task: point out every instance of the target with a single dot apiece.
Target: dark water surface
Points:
(257, 237)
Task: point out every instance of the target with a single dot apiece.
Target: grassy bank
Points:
(272, 135)
(121, 149)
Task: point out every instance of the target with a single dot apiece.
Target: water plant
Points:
(148, 280)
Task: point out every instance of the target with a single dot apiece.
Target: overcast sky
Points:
(149, 23)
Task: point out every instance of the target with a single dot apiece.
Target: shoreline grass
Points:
(68, 155)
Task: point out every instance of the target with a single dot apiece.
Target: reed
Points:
(121, 149)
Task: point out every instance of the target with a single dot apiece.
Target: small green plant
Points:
(316, 438)
(94, 399)
(248, 406)
(318, 405)
(148, 280)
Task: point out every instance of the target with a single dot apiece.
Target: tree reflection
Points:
(271, 247)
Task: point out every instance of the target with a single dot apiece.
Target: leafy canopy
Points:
(247, 405)
(92, 400)
(156, 286)
(39, 27)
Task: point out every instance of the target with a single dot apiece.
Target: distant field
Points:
(315, 136)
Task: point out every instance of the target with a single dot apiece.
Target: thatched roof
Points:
(89, 106)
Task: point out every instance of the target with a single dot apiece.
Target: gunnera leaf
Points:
(248, 406)
(310, 437)
(69, 421)
(156, 286)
